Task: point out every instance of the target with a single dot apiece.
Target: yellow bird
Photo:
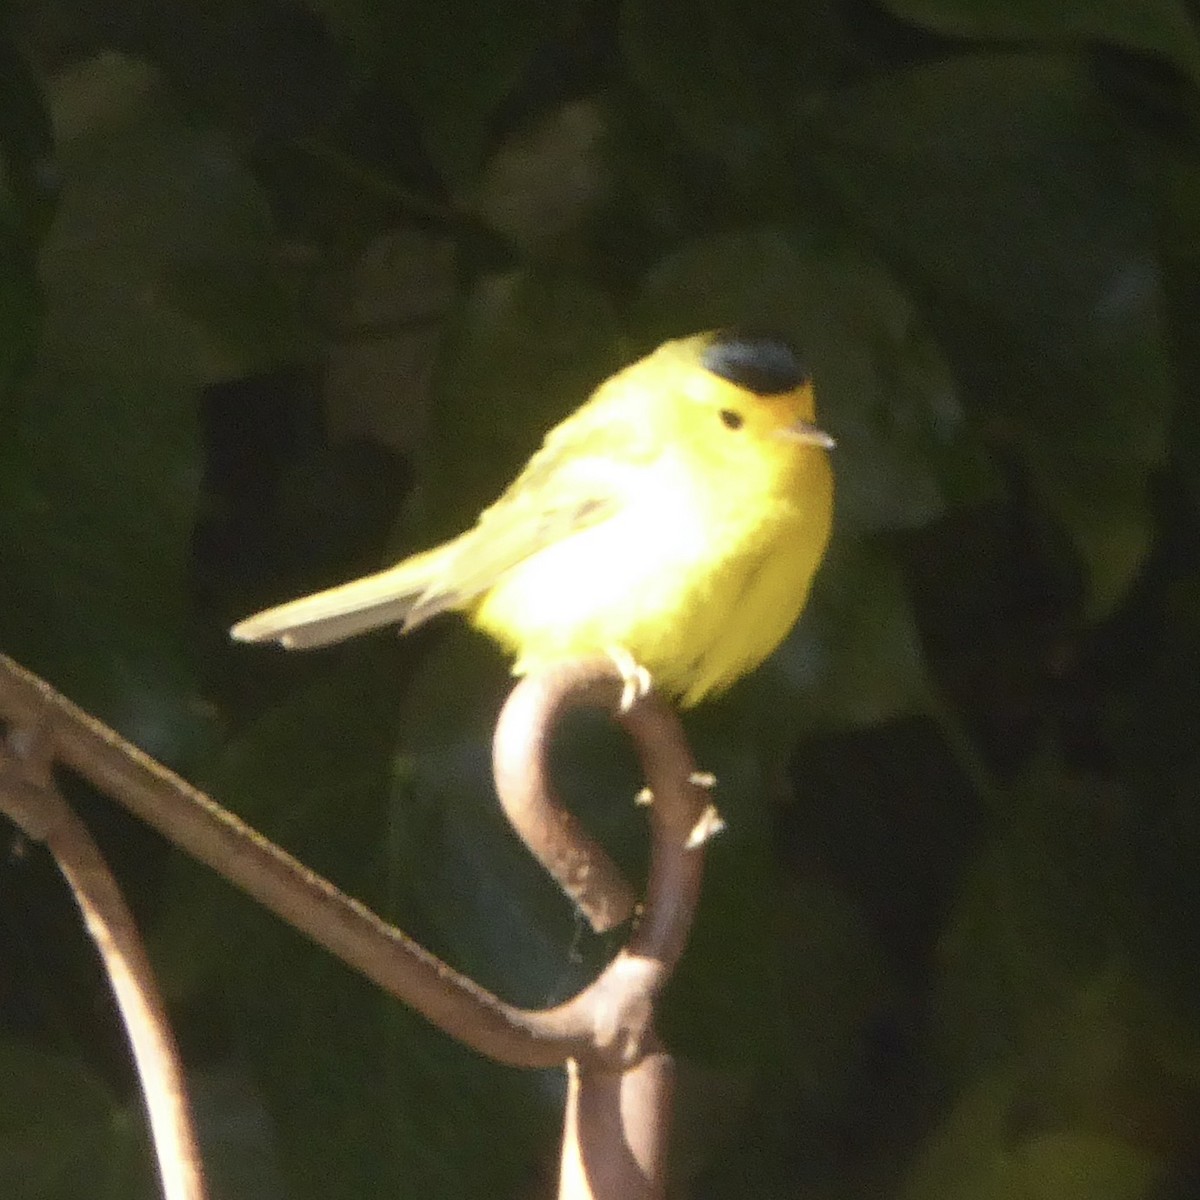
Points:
(674, 522)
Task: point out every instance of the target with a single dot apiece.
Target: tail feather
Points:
(389, 597)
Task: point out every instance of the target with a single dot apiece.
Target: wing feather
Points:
(586, 469)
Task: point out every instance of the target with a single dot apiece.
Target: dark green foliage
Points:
(289, 288)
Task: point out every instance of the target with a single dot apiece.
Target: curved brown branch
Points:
(197, 824)
(552, 833)
(613, 1014)
(616, 1131)
(28, 796)
(619, 1097)
(606, 1024)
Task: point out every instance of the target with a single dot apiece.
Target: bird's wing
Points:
(583, 474)
(384, 598)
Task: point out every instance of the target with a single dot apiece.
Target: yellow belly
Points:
(697, 597)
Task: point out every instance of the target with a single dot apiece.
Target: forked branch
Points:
(620, 1079)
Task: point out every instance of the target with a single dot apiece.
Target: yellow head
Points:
(739, 401)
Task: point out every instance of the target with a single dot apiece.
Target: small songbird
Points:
(674, 522)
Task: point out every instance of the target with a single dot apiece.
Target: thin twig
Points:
(29, 797)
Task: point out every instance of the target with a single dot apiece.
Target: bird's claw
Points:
(706, 828)
(636, 679)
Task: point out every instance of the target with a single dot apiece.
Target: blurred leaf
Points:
(379, 377)
(779, 974)
(524, 350)
(1069, 885)
(1063, 266)
(856, 658)
(1095, 1100)
(1165, 28)
(454, 63)
(1107, 515)
(490, 45)
(62, 1136)
(247, 296)
(27, 191)
(1116, 1060)
(312, 773)
(974, 1157)
(884, 389)
(1181, 255)
(102, 464)
(730, 74)
(1005, 186)
(545, 181)
(324, 1043)
(776, 997)
(1033, 921)
(20, 310)
(235, 1133)
(28, 176)
(267, 68)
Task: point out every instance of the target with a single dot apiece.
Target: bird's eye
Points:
(732, 419)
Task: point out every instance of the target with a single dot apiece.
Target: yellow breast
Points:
(699, 583)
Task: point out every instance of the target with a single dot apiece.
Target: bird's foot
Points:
(637, 681)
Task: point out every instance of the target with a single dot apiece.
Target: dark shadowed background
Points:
(288, 289)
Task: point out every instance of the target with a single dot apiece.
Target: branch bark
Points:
(618, 1113)
(29, 797)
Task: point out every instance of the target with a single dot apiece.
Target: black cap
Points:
(762, 363)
